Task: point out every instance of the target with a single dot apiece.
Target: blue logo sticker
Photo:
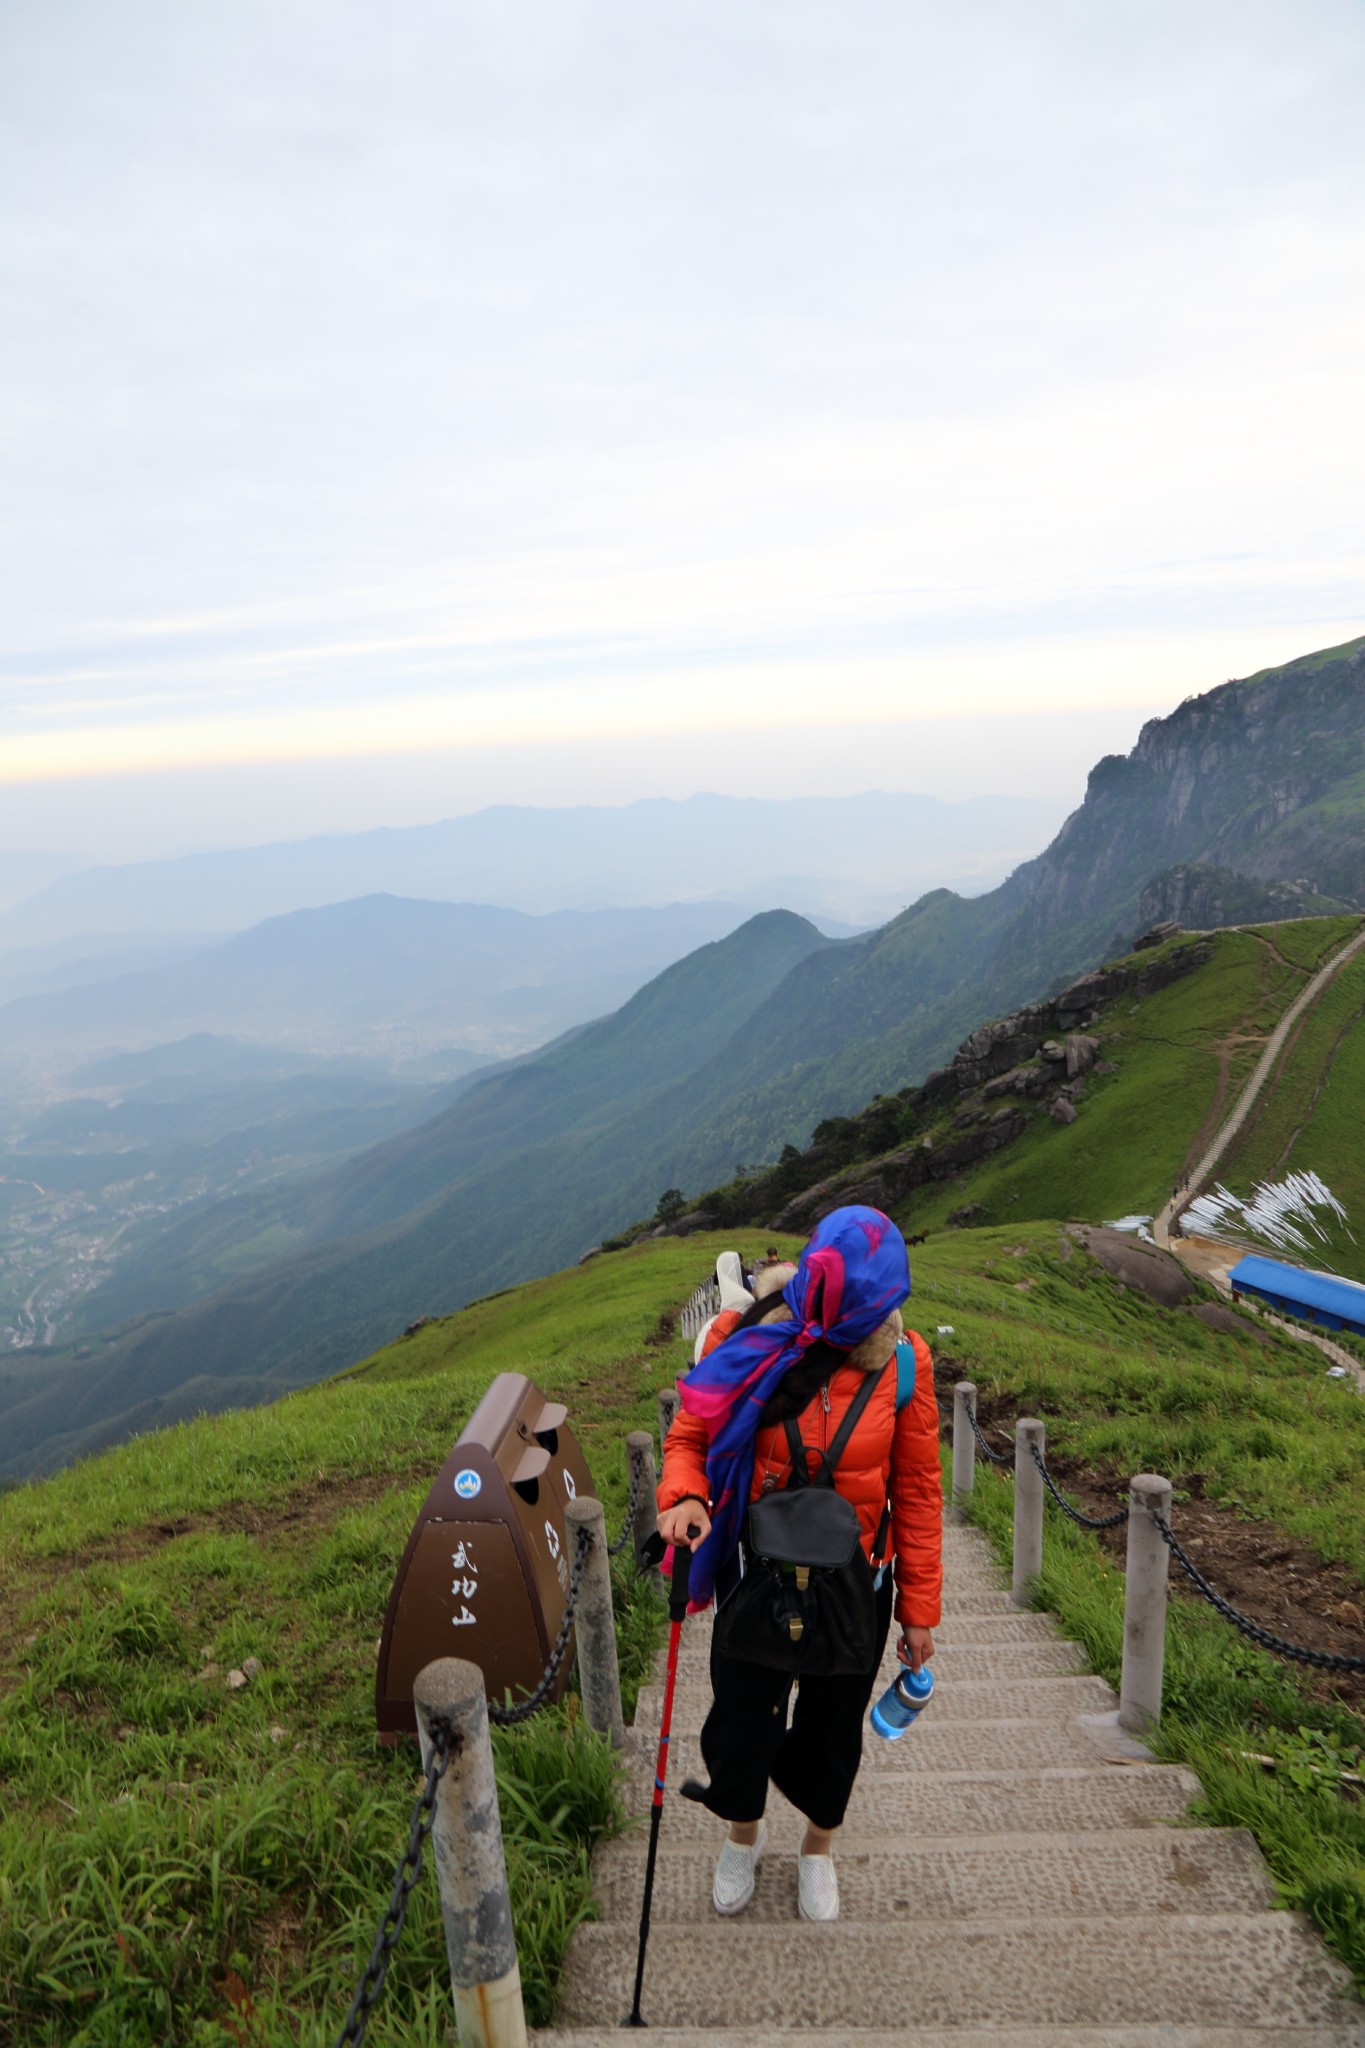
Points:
(467, 1483)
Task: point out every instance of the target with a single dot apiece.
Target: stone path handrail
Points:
(701, 1304)
(1151, 1542)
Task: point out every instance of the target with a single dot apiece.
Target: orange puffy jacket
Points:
(889, 1456)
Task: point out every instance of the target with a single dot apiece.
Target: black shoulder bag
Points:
(804, 1602)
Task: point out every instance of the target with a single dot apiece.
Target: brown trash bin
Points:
(486, 1568)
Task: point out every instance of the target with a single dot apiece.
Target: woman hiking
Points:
(803, 1356)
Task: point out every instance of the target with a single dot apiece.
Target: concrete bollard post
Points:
(599, 1675)
(1144, 1605)
(471, 1870)
(640, 1457)
(964, 1447)
(670, 1400)
(1028, 1507)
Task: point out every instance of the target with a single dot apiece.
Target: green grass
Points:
(1310, 942)
(1136, 1126)
(1137, 1388)
(178, 1861)
(1309, 1119)
(188, 1865)
(1180, 1058)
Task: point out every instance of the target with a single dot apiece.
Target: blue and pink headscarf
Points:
(853, 1272)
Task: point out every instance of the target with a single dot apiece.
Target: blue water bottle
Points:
(904, 1700)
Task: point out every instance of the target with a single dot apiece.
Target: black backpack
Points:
(804, 1600)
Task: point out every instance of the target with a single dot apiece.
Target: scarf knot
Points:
(853, 1272)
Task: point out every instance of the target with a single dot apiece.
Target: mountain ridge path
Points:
(1237, 1116)
(1207, 1256)
(1013, 1874)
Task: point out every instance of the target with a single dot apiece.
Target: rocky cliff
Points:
(1265, 777)
(1206, 898)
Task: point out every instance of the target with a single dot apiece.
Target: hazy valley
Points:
(202, 1240)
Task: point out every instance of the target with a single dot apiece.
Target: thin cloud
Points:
(476, 370)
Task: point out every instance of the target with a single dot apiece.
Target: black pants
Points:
(746, 1741)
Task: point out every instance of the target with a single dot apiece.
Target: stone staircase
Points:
(1008, 1872)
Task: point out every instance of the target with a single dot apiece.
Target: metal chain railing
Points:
(632, 1502)
(996, 1457)
(371, 1986)
(1073, 1513)
(1321, 1660)
(512, 1717)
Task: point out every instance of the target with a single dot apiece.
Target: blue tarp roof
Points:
(1316, 1290)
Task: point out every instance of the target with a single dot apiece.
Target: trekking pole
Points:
(677, 1608)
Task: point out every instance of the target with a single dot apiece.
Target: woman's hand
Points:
(687, 1523)
(916, 1647)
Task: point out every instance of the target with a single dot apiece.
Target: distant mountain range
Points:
(382, 976)
(857, 859)
(524, 1172)
(734, 1051)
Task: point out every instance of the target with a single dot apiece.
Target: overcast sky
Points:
(412, 407)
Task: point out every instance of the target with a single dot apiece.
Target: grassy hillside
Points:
(185, 1865)
(1181, 1057)
(1169, 1065)
(1310, 1120)
(178, 1860)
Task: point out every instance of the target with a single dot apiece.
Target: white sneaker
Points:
(817, 1888)
(734, 1882)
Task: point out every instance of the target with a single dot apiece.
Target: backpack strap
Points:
(905, 1392)
(830, 1458)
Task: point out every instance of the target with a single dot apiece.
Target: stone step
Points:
(1250, 2034)
(990, 1595)
(1007, 1624)
(966, 1546)
(957, 1664)
(905, 1806)
(1024, 1698)
(1176, 1870)
(974, 1590)
(971, 1585)
(1082, 1970)
(941, 1751)
(1016, 1699)
(1014, 1626)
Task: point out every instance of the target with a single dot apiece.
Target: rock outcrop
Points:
(1039, 1051)
(1256, 780)
(1135, 1263)
(1203, 897)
